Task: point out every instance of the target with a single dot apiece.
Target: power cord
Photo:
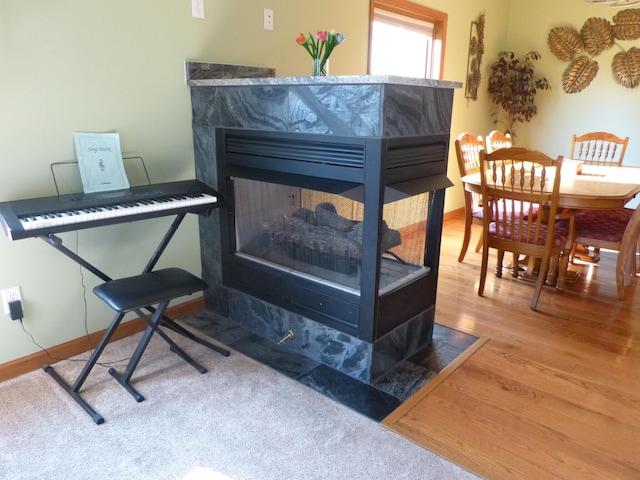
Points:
(15, 309)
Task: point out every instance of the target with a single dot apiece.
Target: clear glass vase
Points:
(318, 70)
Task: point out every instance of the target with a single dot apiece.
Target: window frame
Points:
(418, 12)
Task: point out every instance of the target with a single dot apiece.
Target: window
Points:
(406, 39)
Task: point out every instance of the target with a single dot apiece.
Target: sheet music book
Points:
(100, 162)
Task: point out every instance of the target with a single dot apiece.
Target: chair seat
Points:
(602, 225)
(126, 294)
(560, 233)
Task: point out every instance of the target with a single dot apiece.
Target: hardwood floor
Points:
(553, 393)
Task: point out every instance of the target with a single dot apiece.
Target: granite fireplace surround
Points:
(369, 107)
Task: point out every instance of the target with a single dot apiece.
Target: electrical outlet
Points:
(10, 295)
(268, 19)
(197, 8)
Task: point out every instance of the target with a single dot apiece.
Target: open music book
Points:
(100, 162)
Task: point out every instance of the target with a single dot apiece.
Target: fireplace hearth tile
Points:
(314, 340)
(285, 361)
(216, 326)
(362, 398)
(376, 400)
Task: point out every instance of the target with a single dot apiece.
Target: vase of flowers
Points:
(317, 69)
(320, 48)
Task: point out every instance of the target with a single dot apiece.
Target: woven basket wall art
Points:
(565, 42)
(596, 36)
(626, 68)
(627, 24)
(579, 74)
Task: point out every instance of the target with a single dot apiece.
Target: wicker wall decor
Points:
(626, 67)
(627, 24)
(474, 61)
(579, 74)
(596, 36)
(565, 42)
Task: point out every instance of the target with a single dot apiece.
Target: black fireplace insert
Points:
(344, 231)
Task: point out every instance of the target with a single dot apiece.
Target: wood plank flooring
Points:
(553, 393)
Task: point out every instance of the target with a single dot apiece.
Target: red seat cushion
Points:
(603, 225)
(560, 234)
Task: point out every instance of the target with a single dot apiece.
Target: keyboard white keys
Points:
(34, 217)
(50, 220)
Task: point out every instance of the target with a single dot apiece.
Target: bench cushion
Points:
(126, 294)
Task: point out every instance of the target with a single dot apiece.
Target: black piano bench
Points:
(133, 294)
(142, 292)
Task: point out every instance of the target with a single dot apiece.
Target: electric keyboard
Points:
(46, 215)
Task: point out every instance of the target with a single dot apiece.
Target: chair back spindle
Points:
(599, 148)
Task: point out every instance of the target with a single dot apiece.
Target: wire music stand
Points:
(134, 167)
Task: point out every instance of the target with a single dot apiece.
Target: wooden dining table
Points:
(585, 187)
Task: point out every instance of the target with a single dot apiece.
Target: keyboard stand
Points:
(165, 321)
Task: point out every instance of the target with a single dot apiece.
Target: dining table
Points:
(583, 186)
(587, 186)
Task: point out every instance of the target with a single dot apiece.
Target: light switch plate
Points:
(197, 8)
(268, 19)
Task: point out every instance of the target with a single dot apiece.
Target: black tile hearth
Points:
(375, 401)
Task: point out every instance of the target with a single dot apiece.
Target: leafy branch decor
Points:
(474, 62)
(513, 87)
(595, 36)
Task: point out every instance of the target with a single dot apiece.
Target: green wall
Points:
(118, 65)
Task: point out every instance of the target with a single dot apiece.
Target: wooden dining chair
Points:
(604, 149)
(599, 148)
(615, 230)
(497, 140)
(467, 150)
(513, 182)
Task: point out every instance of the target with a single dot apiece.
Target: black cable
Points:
(121, 361)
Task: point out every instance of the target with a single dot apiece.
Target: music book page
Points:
(100, 162)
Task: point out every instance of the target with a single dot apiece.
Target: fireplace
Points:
(335, 229)
(333, 194)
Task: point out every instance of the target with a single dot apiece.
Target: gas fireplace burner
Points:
(325, 239)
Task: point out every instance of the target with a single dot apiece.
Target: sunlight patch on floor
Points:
(201, 473)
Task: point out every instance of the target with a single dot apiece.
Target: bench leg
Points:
(152, 327)
(172, 325)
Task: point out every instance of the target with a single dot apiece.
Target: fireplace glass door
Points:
(320, 236)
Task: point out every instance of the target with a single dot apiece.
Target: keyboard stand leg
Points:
(56, 243)
(179, 329)
(73, 391)
(153, 327)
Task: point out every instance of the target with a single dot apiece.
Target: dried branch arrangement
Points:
(596, 36)
(474, 62)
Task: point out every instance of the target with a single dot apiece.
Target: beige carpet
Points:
(240, 421)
